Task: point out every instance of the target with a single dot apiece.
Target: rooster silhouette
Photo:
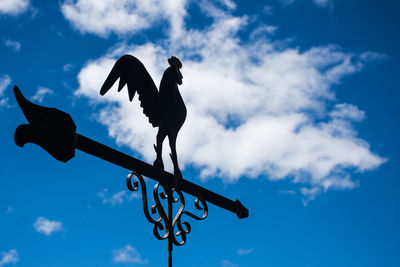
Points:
(165, 108)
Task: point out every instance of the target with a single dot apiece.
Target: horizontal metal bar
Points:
(55, 131)
(123, 160)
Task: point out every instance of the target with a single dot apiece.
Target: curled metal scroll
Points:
(163, 222)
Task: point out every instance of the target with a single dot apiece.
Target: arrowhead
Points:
(49, 128)
(241, 211)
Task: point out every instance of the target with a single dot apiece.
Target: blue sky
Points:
(292, 108)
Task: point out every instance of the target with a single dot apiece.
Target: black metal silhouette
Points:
(165, 109)
(166, 221)
(50, 128)
(55, 131)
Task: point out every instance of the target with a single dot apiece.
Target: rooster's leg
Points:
(158, 148)
(174, 157)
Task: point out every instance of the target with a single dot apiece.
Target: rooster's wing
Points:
(131, 71)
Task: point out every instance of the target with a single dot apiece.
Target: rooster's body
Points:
(165, 108)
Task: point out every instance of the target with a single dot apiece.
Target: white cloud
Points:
(123, 16)
(228, 4)
(347, 111)
(4, 102)
(117, 198)
(228, 263)
(67, 67)
(310, 194)
(15, 45)
(13, 7)
(41, 93)
(263, 31)
(9, 257)
(243, 252)
(5, 81)
(255, 108)
(128, 254)
(47, 227)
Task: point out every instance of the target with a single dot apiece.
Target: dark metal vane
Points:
(164, 222)
(55, 131)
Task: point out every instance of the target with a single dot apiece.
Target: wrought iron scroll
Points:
(162, 222)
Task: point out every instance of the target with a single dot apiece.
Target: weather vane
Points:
(55, 131)
(165, 109)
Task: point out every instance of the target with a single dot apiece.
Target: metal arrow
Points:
(55, 131)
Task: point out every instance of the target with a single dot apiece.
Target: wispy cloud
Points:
(47, 227)
(4, 102)
(228, 4)
(323, 3)
(67, 67)
(310, 194)
(41, 93)
(243, 252)
(268, 9)
(5, 81)
(13, 7)
(286, 2)
(319, 3)
(347, 112)
(117, 198)
(373, 56)
(15, 45)
(263, 31)
(8, 210)
(9, 257)
(287, 192)
(128, 254)
(255, 107)
(228, 263)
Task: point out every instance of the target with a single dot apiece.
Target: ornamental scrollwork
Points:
(174, 228)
